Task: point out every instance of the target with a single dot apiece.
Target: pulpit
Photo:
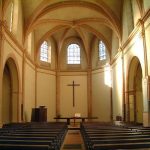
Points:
(39, 114)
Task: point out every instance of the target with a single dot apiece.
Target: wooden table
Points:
(74, 118)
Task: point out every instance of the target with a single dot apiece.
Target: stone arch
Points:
(10, 92)
(134, 92)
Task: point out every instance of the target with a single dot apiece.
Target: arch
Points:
(134, 92)
(11, 78)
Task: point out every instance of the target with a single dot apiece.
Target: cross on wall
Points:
(73, 91)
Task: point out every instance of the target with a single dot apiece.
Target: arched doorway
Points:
(135, 97)
(10, 93)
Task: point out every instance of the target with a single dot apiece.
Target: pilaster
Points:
(58, 93)
(89, 91)
(146, 101)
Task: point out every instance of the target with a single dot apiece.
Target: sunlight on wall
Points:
(138, 43)
(117, 84)
(107, 75)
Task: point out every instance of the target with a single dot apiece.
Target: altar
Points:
(75, 118)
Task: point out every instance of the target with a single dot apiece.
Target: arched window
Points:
(73, 54)
(45, 52)
(102, 51)
(11, 15)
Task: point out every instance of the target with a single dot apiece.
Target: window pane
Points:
(102, 51)
(73, 53)
(45, 52)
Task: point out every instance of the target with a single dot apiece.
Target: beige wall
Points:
(46, 92)
(96, 63)
(29, 90)
(101, 98)
(117, 88)
(146, 4)
(128, 19)
(17, 27)
(66, 94)
(115, 45)
(147, 36)
(136, 12)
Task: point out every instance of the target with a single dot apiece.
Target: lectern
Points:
(39, 114)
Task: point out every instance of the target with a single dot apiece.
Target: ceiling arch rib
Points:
(84, 41)
(48, 34)
(101, 21)
(62, 39)
(82, 4)
(99, 36)
(51, 21)
(72, 24)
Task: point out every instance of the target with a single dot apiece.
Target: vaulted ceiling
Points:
(61, 19)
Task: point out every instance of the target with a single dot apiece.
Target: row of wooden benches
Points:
(32, 136)
(106, 137)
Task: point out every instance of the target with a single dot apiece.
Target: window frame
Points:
(102, 55)
(74, 57)
(45, 50)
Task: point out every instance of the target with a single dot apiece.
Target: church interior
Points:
(89, 58)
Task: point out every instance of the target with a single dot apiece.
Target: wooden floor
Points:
(73, 140)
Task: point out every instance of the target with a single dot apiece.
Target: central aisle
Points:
(73, 141)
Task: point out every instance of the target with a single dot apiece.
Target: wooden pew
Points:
(120, 146)
(50, 135)
(100, 137)
(24, 147)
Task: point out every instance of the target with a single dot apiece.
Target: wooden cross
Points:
(73, 85)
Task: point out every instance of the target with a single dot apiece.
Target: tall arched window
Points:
(45, 52)
(102, 51)
(73, 54)
(11, 15)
